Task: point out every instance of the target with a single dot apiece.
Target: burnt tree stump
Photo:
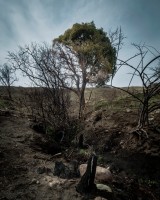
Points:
(81, 140)
(86, 184)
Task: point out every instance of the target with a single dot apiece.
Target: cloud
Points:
(23, 22)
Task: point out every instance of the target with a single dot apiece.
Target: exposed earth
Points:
(26, 167)
(21, 171)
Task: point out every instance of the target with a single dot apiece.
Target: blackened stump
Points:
(81, 139)
(86, 184)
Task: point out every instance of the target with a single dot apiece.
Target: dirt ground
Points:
(20, 166)
(26, 168)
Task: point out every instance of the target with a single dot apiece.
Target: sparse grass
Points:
(4, 104)
(96, 98)
(148, 182)
(101, 105)
(117, 104)
(101, 159)
(84, 154)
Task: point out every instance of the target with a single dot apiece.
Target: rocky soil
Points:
(26, 170)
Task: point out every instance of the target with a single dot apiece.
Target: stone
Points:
(61, 170)
(99, 198)
(33, 181)
(56, 182)
(51, 184)
(103, 175)
(66, 171)
(104, 191)
(103, 187)
(41, 170)
(128, 110)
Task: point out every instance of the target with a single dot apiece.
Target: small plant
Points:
(4, 104)
(84, 153)
(101, 104)
(148, 182)
(50, 130)
(100, 159)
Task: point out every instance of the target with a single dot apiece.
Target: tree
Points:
(146, 67)
(7, 77)
(87, 56)
(49, 100)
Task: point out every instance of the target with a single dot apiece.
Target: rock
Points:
(103, 187)
(60, 170)
(51, 184)
(103, 175)
(56, 182)
(74, 169)
(41, 170)
(128, 110)
(33, 181)
(48, 171)
(151, 118)
(66, 171)
(99, 198)
(104, 191)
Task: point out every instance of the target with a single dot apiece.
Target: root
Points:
(140, 133)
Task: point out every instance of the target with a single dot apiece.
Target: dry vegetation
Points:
(108, 127)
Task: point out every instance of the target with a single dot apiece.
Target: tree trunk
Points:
(81, 102)
(9, 92)
(143, 117)
(86, 184)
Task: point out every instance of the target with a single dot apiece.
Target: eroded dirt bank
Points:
(26, 172)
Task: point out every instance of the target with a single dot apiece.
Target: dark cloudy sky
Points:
(26, 21)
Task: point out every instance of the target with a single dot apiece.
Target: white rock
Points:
(51, 184)
(102, 174)
(104, 187)
(99, 198)
(128, 110)
(56, 182)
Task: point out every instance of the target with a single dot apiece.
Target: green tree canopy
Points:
(91, 45)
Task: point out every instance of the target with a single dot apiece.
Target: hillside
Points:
(28, 157)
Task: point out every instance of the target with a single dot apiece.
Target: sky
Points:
(26, 21)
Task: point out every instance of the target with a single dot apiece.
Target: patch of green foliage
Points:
(84, 154)
(4, 104)
(101, 105)
(65, 133)
(148, 182)
(91, 44)
(118, 103)
(50, 130)
(101, 159)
